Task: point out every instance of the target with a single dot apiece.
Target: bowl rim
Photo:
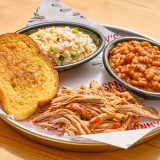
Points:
(107, 66)
(74, 24)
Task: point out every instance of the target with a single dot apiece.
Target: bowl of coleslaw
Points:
(67, 44)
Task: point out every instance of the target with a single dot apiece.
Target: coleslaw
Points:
(64, 45)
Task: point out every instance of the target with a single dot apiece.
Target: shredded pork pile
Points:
(92, 110)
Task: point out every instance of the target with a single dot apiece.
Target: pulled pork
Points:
(92, 110)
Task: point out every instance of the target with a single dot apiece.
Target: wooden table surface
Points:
(139, 15)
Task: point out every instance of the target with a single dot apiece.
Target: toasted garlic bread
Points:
(27, 78)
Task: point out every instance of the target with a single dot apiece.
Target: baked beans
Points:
(137, 63)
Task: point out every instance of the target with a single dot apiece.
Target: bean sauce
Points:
(137, 63)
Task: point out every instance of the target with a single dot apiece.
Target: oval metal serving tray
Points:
(72, 145)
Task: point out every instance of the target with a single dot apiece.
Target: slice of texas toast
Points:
(27, 78)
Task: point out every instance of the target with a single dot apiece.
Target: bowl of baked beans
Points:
(134, 62)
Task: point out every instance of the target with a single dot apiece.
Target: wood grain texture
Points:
(140, 15)
(14, 14)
